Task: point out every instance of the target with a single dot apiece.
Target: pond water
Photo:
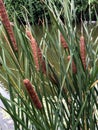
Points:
(5, 121)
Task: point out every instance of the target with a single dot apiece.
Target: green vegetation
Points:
(37, 11)
(88, 9)
(67, 98)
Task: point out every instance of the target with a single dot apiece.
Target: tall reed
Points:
(7, 25)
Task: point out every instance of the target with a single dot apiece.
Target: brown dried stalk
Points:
(32, 93)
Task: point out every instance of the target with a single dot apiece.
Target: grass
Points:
(69, 100)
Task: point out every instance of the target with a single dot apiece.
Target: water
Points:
(5, 120)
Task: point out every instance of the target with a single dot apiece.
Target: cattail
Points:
(34, 47)
(83, 51)
(63, 42)
(32, 93)
(74, 69)
(7, 25)
(37, 54)
(41, 61)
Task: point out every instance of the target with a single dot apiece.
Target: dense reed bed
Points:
(44, 95)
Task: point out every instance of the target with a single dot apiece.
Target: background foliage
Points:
(37, 10)
(86, 7)
(34, 8)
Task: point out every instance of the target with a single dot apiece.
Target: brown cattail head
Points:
(74, 69)
(63, 42)
(41, 61)
(7, 25)
(83, 51)
(33, 95)
(37, 54)
(34, 48)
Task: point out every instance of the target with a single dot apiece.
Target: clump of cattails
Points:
(37, 54)
(74, 69)
(32, 93)
(63, 42)
(83, 51)
(7, 25)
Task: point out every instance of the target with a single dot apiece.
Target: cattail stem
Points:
(7, 25)
(83, 51)
(37, 54)
(32, 93)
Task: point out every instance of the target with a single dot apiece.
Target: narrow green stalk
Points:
(80, 113)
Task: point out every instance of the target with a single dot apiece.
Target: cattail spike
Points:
(37, 54)
(63, 42)
(74, 69)
(34, 47)
(41, 61)
(32, 93)
(83, 51)
(7, 25)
